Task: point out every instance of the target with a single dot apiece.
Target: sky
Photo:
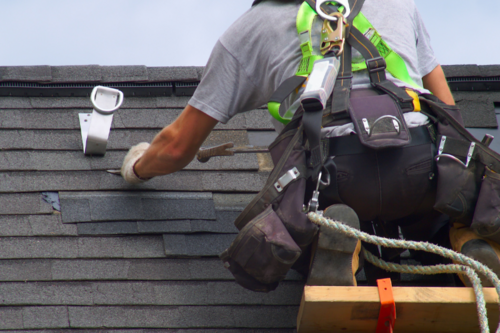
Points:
(183, 32)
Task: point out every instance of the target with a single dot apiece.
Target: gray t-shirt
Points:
(261, 50)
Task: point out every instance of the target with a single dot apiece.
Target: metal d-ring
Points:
(321, 13)
(386, 117)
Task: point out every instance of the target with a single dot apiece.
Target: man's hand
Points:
(171, 150)
(134, 154)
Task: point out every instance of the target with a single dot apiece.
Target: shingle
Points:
(38, 247)
(45, 317)
(258, 120)
(124, 73)
(182, 317)
(489, 70)
(25, 203)
(189, 226)
(103, 269)
(15, 103)
(461, 70)
(119, 139)
(165, 293)
(178, 269)
(76, 74)
(157, 227)
(477, 111)
(200, 71)
(232, 202)
(26, 73)
(115, 269)
(196, 244)
(237, 122)
(175, 102)
(74, 210)
(123, 206)
(261, 138)
(66, 119)
(35, 225)
(120, 247)
(25, 270)
(47, 293)
(137, 118)
(107, 228)
(227, 218)
(100, 180)
(61, 103)
(162, 74)
(11, 318)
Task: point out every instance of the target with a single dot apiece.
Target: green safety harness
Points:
(358, 32)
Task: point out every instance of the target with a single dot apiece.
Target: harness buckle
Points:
(375, 65)
(333, 38)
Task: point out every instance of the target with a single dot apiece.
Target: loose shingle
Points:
(107, 228)
(26, 73)
(45, 317)
(232, 202)
(124, 73)
(221, 225)
(182, 317)
(196, 244)
(162, 74)
(123, 206)
(79, 74)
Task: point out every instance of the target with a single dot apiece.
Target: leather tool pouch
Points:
(459, 178)
(379, 122)
(273, 229)
(486, 222)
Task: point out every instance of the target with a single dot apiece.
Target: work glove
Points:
(133, 155)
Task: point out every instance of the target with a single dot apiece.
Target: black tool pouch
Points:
(379, 122)
(273, 228)
(486, 222)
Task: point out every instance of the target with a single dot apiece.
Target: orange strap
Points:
(387, 316)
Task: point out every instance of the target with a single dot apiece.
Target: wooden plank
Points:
(419, 309)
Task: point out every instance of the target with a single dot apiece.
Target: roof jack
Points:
(95, 126)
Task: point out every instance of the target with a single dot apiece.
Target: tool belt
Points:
(387, 171)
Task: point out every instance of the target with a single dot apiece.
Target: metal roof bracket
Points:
(95, 126)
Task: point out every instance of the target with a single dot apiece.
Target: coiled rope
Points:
(466, 265)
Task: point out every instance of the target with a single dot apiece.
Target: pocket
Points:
(379, 122)
(457, 189)
(264, 250)
(486, 222)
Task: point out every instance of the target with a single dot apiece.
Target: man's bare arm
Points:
(176, 145)
(436, 82)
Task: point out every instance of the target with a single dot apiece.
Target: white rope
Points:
(466, 265)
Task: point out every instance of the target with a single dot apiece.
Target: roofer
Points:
(387, 185)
